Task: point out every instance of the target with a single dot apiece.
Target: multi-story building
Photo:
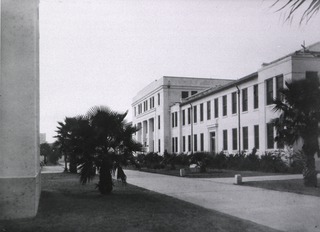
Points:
(151, 108)
(231, 117)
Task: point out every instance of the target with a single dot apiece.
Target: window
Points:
(183, 117)
(184, 94)
(245, 137)
(158, 99)
(216, 107)
(194, 92)
(176, 142)
(279, 85)
(172, 144)
(201, 112)
(189, 115)
(208, 110)
(312, 75)
(195, 114)
(172, 120)
(151, 102)
(176, 119)
(189, 142)
(256, 136)
(183, 143)
(224, 105)
(269, 91)
(201, 142)
(234, 102)
(195, 143)
(159, 145)
(245, 99)
(270, 136)
(159, 122)
(225, 140)
(234, 139)
(255, 97)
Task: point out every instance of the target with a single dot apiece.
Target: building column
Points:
(151, 135)
(19, 109)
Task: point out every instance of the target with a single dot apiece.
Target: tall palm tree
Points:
(299, 107)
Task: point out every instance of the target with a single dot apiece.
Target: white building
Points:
(230, 116)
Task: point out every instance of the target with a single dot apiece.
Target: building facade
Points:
(233, 117)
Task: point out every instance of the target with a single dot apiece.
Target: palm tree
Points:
(312, 7)
(299, 107)
(104, 142)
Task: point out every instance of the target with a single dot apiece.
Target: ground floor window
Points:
(225, 140)
(270, 136)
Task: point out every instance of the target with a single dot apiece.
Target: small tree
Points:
(299, 107)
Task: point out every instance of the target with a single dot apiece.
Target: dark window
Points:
(208, 110)
(183, 117)
(245, 99)
(224, 105)
(159, 145)
(183, 143)
(172, 145)
(234, 102)
(279, 85)
(195, 142)
(270, 136)
(189, 142)
(245, 137)
(189, 115)
(172, 120)
(159, 122)
(234, 139)
(256, 137)
(225, 140)
(269, 91)
(176, 141)
(216, 107)
(176, 119)
(201, 142)
(194, 92)
(255, 97)
(201, 112)
(312, 75)
(184, 94)
(195, 114)
(158, 99)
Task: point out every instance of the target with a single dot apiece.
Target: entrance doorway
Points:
(213, 141)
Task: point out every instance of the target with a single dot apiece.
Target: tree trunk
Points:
(105, 184)
(65, 163)
(73, 163)
(309, 172)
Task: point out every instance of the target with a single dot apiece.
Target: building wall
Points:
(19, 109)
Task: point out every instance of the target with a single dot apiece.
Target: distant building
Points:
(184, 115)
(43, 138)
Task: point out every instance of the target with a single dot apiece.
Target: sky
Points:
(102, 52)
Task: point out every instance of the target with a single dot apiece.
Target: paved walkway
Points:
(278, 210)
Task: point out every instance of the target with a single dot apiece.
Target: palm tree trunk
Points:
(65, 163)
(105, 184)
(309, 172)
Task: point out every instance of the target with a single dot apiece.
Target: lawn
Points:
(65, 205)
(294, 186)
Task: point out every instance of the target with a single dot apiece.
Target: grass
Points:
(293, 186)
(65, 205)
(211, 173)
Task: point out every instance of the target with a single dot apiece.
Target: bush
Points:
(272, 162)
(202, 160)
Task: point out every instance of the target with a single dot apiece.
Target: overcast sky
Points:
(102, 52)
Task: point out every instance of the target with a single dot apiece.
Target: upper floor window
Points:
(183, 117)
(269, 91)
(184, 94)
(158, 99)
(208, 110)
(245, 99)
(234, 102)
(201, 112)
(255, 97)
(224, 105)
(195, 114)
(151, 102)
(189, 115)
(279, 85)
(194, 92)
(216, 107)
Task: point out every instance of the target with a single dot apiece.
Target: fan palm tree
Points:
(299, 107)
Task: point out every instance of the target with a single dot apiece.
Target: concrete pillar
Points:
(19, 109)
